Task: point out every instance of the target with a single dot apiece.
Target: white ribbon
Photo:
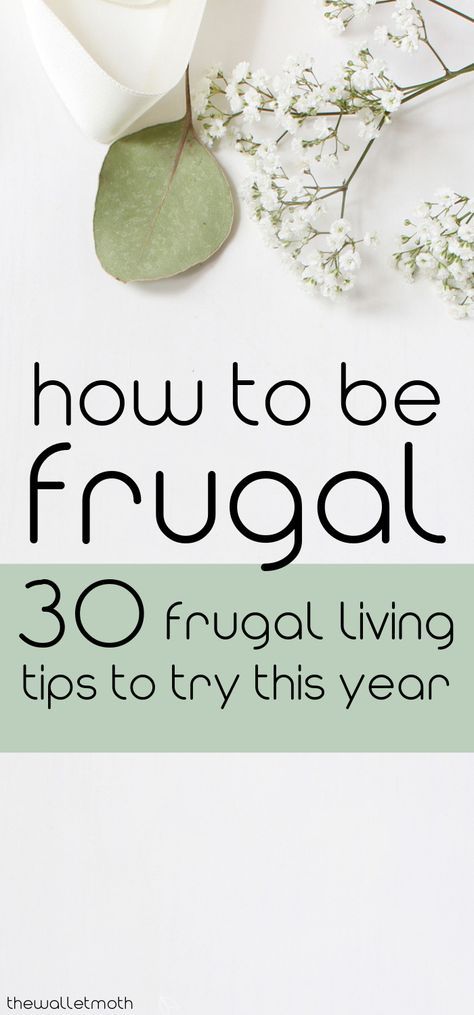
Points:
(112, 60)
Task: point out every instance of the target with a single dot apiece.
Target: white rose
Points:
(112, 60)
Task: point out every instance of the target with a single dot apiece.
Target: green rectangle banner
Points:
(231, 658)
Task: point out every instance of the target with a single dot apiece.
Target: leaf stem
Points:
(188, 97)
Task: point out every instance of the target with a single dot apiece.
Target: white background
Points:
(239, 885)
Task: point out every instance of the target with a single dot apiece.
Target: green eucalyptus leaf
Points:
(163, 204)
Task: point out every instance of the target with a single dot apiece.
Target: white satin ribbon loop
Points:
(112, 61)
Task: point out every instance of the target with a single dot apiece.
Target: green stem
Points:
(346, 184)
(438, 3)
(436, 54)
(359, 163)
(452, 10)
(427, 86)
(421, 84)
(419, 90)
(330, 193)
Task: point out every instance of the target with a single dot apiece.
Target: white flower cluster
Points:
(340, 13)
(305, 107)
(410, 27)
(409, 23)
(371, 94)
(290, 126)
(324, 256)
(439, 242)
(332, 268)
(293, 128)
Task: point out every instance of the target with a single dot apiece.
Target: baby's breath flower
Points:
(368, 125)
(369, 91)
(284, 190)
(328, 159)
(410, 27)
(240, 72)
(439, 242)
(446, 198)
(260, 79)
(390, 99)
(466, 231)
(234, 97)
(251, 108)
(331, 271)
(338, 232)
(349, 261)
(298, 101)
(201, 97)
(217, 129)
(340, 13)
(216, 71)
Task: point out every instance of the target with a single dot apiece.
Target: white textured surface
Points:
(253, 885)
